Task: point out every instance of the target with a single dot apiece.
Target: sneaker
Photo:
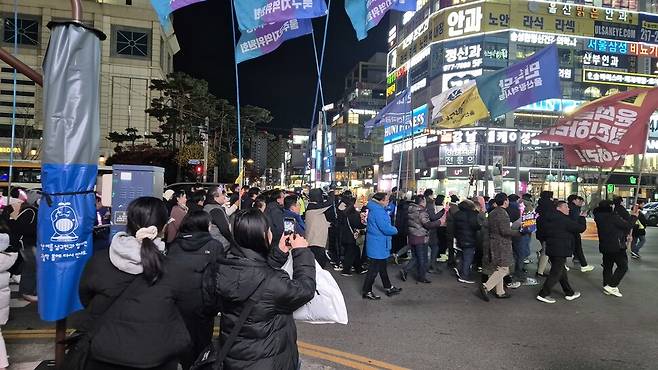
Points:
(608, 290)
(546, 299)
(575, 295)
(345, 273)
(530, 281)
(443, 258)
(567, 267)
(371, 296)
(503, 296)
(362, 271)
(393, 291)
(456, 270)
(403, 275)
(426, 281)
(587, 268)
(465, 281)
(527, 261)
(337, 266)
(514, 285)
(633, 255)
(31, 298)
(483, 293)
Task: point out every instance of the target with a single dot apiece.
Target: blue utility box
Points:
(130, 182)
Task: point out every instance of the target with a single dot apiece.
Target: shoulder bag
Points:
(211, 358)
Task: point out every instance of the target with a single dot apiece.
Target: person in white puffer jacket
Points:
(7, 260)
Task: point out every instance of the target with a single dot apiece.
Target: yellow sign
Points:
(619, 78)
(6, 149)
(458, 107)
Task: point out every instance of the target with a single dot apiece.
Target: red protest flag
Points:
(617, 123)
(576, 155)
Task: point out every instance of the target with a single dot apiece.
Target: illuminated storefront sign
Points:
(419, 85)
(607, 46)
(462, 58)
(619, 78)
(648, 28)
(464, 154)
(420, 141)
(542, 39)
(464, 21)
(603, 60)
(566, 73)
(459, 78)
(403, 130)
(497, 53)
(615, 31)
(553, 105)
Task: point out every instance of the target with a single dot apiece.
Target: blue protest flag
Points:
(267, 38)
(534, 79)
(366, 14)
(396, 112)
(255, 13)
(69, 167)
(165, 7)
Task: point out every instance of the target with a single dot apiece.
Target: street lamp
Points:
(234, 160)
(250, 161)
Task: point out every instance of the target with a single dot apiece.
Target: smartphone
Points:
(289, 226)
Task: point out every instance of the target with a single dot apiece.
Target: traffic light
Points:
(199, 169)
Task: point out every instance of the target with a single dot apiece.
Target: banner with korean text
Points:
(602, 132)
(533, 79)
(255, 13)
(366, 14)
(398, 111)
(269, 37)
(165, 7)
(458, 107)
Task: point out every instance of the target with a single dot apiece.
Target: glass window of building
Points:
(28, 31)
(131, 42)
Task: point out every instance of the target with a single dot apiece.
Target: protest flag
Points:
(255, 13)
(602, 132)
(398, 111)
(534, 79)
(366, 14)
(165, 7)
(458, 107)
(269, 37)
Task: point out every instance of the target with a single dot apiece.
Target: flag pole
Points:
(237, 99)
(13, 108)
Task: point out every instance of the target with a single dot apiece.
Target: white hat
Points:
(168, 194)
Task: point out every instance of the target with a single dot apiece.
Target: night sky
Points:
(283, 81)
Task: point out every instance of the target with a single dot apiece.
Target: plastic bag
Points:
(328, 304)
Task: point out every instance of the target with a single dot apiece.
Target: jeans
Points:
(352, 257)
(468, 255)
(525, 245)
(28, 284)
(376, 267)
(609, 260)
(637, 244)
(434, 253)
(421, 254)
(558, 273)
(578, 252)
(517, 250)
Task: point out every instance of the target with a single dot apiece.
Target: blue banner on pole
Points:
(531, 80)
(165, 7)
(366, 14)
(396, 112)
(255, 13)
(265, 39)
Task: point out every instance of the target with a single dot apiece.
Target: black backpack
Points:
(210, 275)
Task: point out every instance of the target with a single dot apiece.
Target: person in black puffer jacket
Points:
(189, 255)
(466, 228)
(268, 339)
(612, 231)
(123, 291)
(350, 223)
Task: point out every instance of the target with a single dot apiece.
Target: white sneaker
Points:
(587, 268)
(443, 258)
(575, 295)
(465, 281)
(566, 267)
(608, 290)
(514, 285)
(547, 299)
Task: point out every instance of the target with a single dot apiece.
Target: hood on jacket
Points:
(466, 205)
(545, 205)
(125, 253)
(315, 195)
(372, 205)
(193, 241)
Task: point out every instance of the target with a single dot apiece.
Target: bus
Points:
(27, 174)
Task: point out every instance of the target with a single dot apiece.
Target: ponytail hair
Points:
(147, 212)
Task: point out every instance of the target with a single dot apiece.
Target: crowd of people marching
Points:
(152, 293)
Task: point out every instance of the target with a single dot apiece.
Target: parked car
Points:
(652, 216)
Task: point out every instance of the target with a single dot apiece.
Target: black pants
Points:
(578, 252)
(200, 330)
(558, 274)
(609, 260)
(399, 241)
(352, 257)
(376, 267)
(320, 255)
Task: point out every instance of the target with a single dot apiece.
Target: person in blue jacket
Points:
(378, 241)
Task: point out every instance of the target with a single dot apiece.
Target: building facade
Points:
(135, 52)
(604, 47)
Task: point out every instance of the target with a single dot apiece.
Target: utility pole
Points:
(205, 150)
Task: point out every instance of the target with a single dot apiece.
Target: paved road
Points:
(444, 325)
